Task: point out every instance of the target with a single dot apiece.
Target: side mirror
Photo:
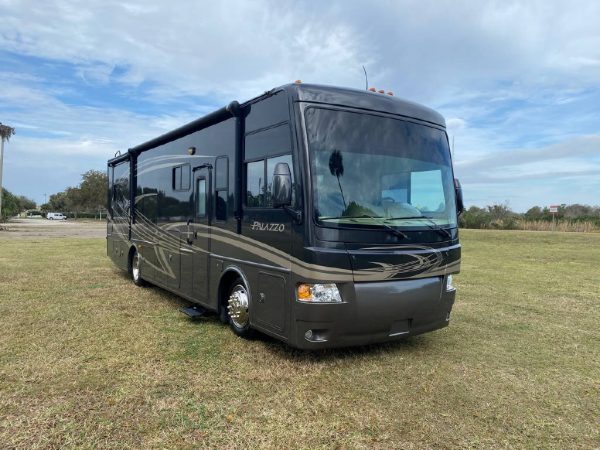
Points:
(282, 185)
(460, 206)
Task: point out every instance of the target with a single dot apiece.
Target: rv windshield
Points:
(371, 170)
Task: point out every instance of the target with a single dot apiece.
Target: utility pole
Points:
(5, 133)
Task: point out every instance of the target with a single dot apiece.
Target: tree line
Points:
(573, 217)
(86, 200)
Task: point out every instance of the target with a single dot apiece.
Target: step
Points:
(194, 312)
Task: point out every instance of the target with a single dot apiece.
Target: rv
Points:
(321, 216)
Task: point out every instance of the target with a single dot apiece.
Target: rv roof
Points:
(363, 99)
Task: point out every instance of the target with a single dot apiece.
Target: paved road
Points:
(29, 228)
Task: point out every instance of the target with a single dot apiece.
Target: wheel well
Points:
(226, 282)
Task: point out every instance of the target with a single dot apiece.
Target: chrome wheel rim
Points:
(238, 306)
(135, 267)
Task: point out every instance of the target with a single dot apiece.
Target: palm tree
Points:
(5, 133)
(336, 167)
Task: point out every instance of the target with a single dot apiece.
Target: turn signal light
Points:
(304, 292)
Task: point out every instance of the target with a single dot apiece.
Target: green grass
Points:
(89, 360)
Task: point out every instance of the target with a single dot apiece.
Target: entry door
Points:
(198, 236)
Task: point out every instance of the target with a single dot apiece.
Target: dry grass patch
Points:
(89, 360)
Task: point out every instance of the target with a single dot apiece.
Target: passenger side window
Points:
(181, 178)
(259, 180)
(264, 148)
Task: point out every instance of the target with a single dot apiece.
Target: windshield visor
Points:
(371, 170)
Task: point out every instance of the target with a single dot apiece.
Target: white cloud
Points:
(516, 80)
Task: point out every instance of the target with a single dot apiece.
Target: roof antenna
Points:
(366, 79)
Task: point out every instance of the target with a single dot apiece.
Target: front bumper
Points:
(374, 312)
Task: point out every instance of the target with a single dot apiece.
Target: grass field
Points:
(89, 360)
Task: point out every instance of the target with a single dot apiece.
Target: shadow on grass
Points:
(281, 349)
(285, 351)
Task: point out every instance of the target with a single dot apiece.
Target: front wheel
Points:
(238, 309)
(136, 273)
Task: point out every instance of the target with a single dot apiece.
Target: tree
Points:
(25, 203)
(11, 205)
(336, 167)
(93, 190)
(5, 133)
(57, 202)
(534, 213)
(74, 200)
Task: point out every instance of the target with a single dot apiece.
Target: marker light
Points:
(298, 81)
(318, 293)
(372, 89)
(381, 91)
(390, 93)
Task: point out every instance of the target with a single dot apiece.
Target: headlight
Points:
(449, 285)
(318, 293)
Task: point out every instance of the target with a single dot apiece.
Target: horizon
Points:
(518, 84)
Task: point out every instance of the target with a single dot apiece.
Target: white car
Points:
(56, 216)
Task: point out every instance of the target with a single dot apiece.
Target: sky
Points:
(517, 82)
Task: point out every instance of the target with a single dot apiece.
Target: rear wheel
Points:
(238, 309)
(136, 272)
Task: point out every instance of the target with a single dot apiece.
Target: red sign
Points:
(553, 209)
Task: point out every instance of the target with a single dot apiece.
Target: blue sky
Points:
(518, 82)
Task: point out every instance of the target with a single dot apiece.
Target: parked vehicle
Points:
(321, 216)
(56, 216)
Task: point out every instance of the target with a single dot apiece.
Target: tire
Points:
(136, 272)
(238, 309)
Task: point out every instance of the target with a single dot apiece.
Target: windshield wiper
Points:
(392, 229)
(366, 216)
(431, 224)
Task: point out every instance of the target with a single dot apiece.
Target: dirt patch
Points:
(35, 228)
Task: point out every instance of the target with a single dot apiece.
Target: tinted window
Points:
(259, 193)
(271, 163)
(221, 205)
(268, 112)
(201, 200)
(221, 171)
(367, 168)
(181, 178)
(272, 141)
(255, 176)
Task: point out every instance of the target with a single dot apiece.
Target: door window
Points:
(201, 197)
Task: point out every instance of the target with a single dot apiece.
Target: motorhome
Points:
(321, 216)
